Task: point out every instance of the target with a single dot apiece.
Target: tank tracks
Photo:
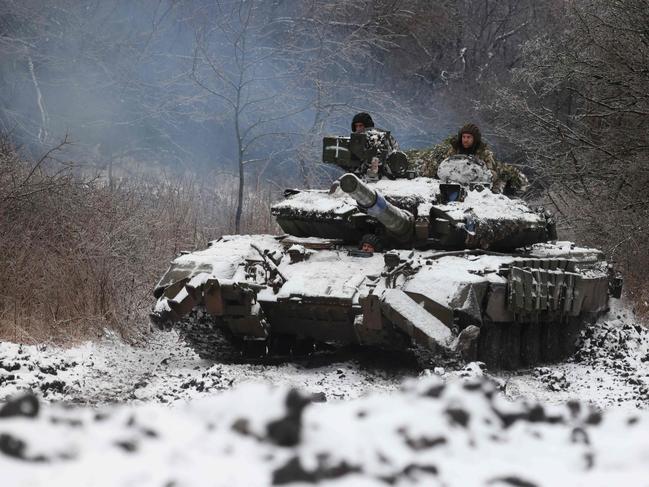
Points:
(211, 339)
(207, 339)
(526, 344)
(502, 346)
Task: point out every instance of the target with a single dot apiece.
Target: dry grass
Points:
(78, 258)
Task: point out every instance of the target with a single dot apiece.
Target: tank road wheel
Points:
(211, 339)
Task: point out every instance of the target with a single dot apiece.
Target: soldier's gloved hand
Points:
(374, 166)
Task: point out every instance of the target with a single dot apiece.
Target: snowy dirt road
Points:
(165, 370)
(610, 370)
(112, 414)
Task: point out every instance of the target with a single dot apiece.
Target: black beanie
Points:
(363, 118)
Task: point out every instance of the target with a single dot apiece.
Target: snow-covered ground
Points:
(113, 414)
(165, 370)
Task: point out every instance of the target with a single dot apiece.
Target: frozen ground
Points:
(112, 414)
(165, 370)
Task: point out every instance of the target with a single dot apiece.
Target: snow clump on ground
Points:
(430, 433)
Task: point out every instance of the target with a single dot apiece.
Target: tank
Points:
(392, 261)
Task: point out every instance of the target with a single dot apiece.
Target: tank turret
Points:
(457, 211)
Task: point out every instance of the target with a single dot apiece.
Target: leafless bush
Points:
(79, 257)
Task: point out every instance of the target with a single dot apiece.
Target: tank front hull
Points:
(529, 305)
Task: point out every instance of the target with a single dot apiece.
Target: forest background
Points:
(130, 131)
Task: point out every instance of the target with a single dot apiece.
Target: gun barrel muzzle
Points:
(397, 221)
(354, 187)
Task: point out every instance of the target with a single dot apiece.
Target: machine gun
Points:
(356, 153)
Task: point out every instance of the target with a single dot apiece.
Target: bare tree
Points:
(99, 71)
(245, 79)
(337, 49)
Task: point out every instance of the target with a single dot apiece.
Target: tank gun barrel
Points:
(397, 221)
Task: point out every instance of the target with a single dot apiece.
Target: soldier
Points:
(381, 139)
(362, 121)
(370, 243)
(469, 141)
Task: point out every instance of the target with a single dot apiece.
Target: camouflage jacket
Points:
(506, 178)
